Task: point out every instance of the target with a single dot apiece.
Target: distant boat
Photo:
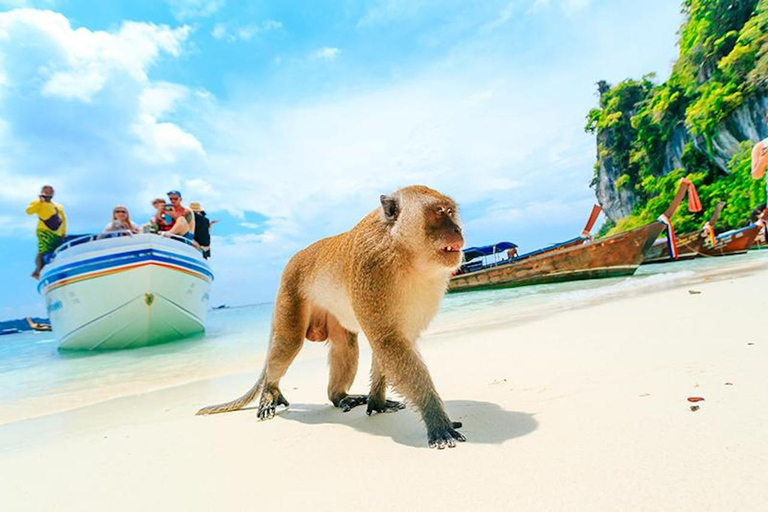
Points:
(705, 243)
(125, 291)
(614, 256)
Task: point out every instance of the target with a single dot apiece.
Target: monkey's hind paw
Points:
(268, 404)
(349, 402)
(441, 437)
(386, 406)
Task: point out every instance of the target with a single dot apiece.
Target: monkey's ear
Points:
(389, 205)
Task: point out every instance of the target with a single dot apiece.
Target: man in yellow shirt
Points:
(51, 227)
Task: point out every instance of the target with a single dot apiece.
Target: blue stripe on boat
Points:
(119, 259)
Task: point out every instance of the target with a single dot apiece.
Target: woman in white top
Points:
(121, 221)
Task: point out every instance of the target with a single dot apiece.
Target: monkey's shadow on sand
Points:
(483, 422)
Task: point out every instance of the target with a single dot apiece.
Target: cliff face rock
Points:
(746, 123)
(673, 153)
(616, 203)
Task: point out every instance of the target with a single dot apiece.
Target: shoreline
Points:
(445, 325)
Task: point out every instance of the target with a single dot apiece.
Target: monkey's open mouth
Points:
(451, 248)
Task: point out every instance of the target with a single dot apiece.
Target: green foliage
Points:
(723, 60)
(622, 181)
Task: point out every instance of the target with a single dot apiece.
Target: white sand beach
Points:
(581, 410)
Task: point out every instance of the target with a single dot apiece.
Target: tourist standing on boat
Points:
(202, 228)
(51, 226)
(121, 221)
(174, 196)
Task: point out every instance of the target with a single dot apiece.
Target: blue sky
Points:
(287, 120)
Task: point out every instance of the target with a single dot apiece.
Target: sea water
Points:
(36, 378)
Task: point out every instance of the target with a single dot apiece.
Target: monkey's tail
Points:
(238, 403)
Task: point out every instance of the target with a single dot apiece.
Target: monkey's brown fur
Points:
(385, 277)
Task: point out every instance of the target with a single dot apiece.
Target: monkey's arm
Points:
(408, 374)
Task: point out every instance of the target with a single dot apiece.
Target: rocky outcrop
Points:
(673, 153)
(616, 202)
(746, 123)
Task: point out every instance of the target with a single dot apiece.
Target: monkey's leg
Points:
(377, 399)
(290, 323)
(342, 361)
(410, 377)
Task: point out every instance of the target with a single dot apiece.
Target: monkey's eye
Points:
(440, 210)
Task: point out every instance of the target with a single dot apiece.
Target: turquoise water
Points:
(32, 369)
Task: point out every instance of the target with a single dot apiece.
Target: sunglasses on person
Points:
(121, 211)
(174, 198)
(46, 197)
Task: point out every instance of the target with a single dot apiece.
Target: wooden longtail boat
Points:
(618, 255)
(471, 264)
(705, 243)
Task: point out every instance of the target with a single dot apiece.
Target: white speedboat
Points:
(125, 291)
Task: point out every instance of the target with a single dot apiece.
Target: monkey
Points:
(386, 278)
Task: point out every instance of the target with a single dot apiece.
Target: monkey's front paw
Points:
(383, 406)
(349, 402)
(445, 436)
(268, 404)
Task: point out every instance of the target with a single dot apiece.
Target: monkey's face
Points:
(442, 229)
(427, 222)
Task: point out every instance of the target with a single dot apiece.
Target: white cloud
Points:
(505, 15)
(80, 110)
(568, 6)
(162, 143)
(327, 53)
(78, 63)
(188, 9)
(233, 32)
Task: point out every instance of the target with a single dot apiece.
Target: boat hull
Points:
(692, 245)
(127, 292)
(619, 255)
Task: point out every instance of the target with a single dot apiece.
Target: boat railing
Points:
(79, 240)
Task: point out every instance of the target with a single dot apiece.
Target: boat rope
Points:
(671, 240)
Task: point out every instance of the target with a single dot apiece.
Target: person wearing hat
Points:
(202, 228)
(174, 196)
(51, 226)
